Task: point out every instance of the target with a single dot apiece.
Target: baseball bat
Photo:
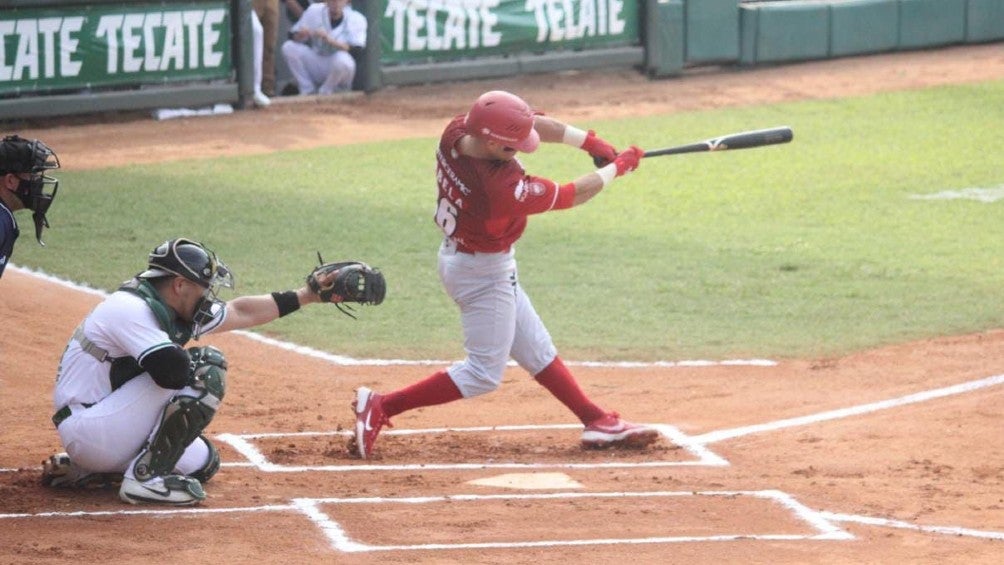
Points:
(741, 140)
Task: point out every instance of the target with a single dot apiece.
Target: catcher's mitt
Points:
(354, 282)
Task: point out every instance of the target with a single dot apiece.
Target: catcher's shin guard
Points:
(212, 464)
(185, 417)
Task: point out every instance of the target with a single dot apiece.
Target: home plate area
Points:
(488, 447)
(526, 458)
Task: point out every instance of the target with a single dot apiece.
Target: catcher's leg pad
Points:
(212, 465)
(185, 416)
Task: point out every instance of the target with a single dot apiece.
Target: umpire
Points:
(24, 184)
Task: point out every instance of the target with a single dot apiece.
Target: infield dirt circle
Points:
(894, 455)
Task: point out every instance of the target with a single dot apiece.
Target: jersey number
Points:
(446, 217)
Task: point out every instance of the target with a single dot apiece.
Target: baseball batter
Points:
(319, 51)
(483, 202)
(130, 401)
(24, 184)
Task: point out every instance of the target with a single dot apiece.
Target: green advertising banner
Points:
(439, 30)
(79, 47)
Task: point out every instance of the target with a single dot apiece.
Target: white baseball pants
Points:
(320, 74)
(108, 436)
(498, 319)
(257, 48)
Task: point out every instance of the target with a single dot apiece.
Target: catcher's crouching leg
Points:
(184, 419)
(212, 465)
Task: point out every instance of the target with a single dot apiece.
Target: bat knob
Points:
(600, 161)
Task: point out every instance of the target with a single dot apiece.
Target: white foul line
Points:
(720, 435)
(343, 360)
(947, 530)
(152, 512)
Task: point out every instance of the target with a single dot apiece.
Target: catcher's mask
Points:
(31, 157)
(193, 261)
(504, 118)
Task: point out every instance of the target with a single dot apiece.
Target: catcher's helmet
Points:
(504, 118)
(32, 157)
(190, 259)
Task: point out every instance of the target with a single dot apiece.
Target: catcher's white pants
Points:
(109, 435)
(498, 319)
(315, 73)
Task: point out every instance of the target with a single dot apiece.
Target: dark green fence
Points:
(78, 56)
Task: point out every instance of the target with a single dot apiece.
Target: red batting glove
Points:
(601, 151)
(628, 160)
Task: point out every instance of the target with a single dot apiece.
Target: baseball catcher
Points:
(133, 399)
(347, 281)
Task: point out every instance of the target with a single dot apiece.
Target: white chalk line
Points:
(151, 512)
(341, 542)
(245, 446)
(822, 521)
(720, 435)
(700, 439)
(884, 522)
(343, 360)
(984, 195)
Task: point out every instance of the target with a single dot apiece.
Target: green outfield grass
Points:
(809, 249)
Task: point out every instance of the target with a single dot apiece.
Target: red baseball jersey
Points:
(483, 204)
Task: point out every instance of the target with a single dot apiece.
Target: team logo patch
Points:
(521, 191)
(533, 189)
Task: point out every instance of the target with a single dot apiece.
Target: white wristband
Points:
(607, 173)
(573, 136)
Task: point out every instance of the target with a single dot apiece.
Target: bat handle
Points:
(600, 162)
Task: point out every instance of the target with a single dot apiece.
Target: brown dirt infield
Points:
(934, 463)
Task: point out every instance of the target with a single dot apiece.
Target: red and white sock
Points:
(435, 389)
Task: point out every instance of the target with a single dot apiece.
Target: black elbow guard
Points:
(168, 366)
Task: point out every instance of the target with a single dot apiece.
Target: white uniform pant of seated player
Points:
(498, 319)
(334, 72)
(108, 436)
(258, 52)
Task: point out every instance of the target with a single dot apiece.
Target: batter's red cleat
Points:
(612, 431)
(370, 418)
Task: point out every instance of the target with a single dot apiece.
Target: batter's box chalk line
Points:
(822, 521)
(340, 541)
(246, 446)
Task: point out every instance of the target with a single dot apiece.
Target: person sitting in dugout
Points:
(131, 403)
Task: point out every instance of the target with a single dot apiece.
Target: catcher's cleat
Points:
(58, 471)
(370, 418)
(612, 431)
(177, 490)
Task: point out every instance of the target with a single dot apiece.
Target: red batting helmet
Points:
(504, 118)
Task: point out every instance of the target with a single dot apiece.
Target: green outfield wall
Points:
(859, 27)
(796, 30)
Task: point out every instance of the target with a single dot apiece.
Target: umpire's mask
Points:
(31, 157)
